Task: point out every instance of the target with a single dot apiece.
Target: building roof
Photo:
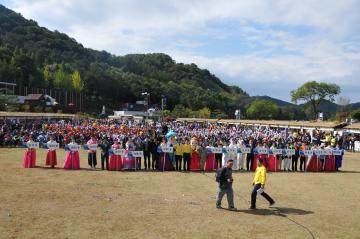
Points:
(355, 126)
(198, 120)
(272, 123)
(33, 96)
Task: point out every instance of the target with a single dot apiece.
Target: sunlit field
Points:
(54, 203)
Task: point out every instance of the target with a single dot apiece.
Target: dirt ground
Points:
(53, 203)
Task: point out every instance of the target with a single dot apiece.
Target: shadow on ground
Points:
(277, 211)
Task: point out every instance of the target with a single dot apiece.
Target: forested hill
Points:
(34, 56)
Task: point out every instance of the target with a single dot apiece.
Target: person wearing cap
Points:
(225, 180)
(259, 185)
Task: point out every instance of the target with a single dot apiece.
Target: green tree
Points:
(356, 114)
(262, 109)
(46, 74)
(204, 113)
(314, 93)
(62, 79)
(77, 82)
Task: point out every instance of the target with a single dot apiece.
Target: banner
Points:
(215, 150)
(245, 150)
(165, 149)
(52, 146)
(277, 151)
(137, 154)
(290, 151)
(318, 152)
(262, 151)
(120, 152)
(74, 147)
(337, 152)
(231, 150)
(327, 152)
(32, 145)
(308, 152)
(92, 147)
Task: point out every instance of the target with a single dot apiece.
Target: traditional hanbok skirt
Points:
(273, 163)
(255, 158)
(195, 161)
(29, 158)
(330, 163)
(129, 162)
(164, 162)
(210, 164)
(314, 164)
(116, 163)
(72, 160)
(51, 158)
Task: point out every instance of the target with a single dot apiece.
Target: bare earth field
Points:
(54, 203)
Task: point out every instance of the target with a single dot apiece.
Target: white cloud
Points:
(292, 41)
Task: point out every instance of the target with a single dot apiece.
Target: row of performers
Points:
(192, 160)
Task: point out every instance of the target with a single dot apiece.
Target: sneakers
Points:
(232, 209)
(218, 207)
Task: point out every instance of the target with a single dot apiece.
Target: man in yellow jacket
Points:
(178, 154)
(186, 149)
(259, 184)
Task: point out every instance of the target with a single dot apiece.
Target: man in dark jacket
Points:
(225, 180)
(153, 144)
(105, 146)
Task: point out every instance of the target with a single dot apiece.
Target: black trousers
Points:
(187, 158)
(218, 160)
(92, 159)
(302, 163)
(138, 162)
(254, 194)
(153, 160)
(249, 162)
(294, 160)
(178, 160)
(147, 160)
(105, 162)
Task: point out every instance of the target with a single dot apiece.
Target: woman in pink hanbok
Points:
(51, 154)
(72, 160)
(30, 156)
(116, 161)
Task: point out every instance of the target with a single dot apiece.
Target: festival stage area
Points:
(54, 203)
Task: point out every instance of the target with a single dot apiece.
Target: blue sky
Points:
(266, 47)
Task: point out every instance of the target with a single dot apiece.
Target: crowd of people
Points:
(190, 143)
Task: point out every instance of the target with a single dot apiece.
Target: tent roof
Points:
(33, 96)
(274, 123)
(353, 126)
(32, 115)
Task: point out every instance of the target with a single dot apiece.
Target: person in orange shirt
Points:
(302, 157)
